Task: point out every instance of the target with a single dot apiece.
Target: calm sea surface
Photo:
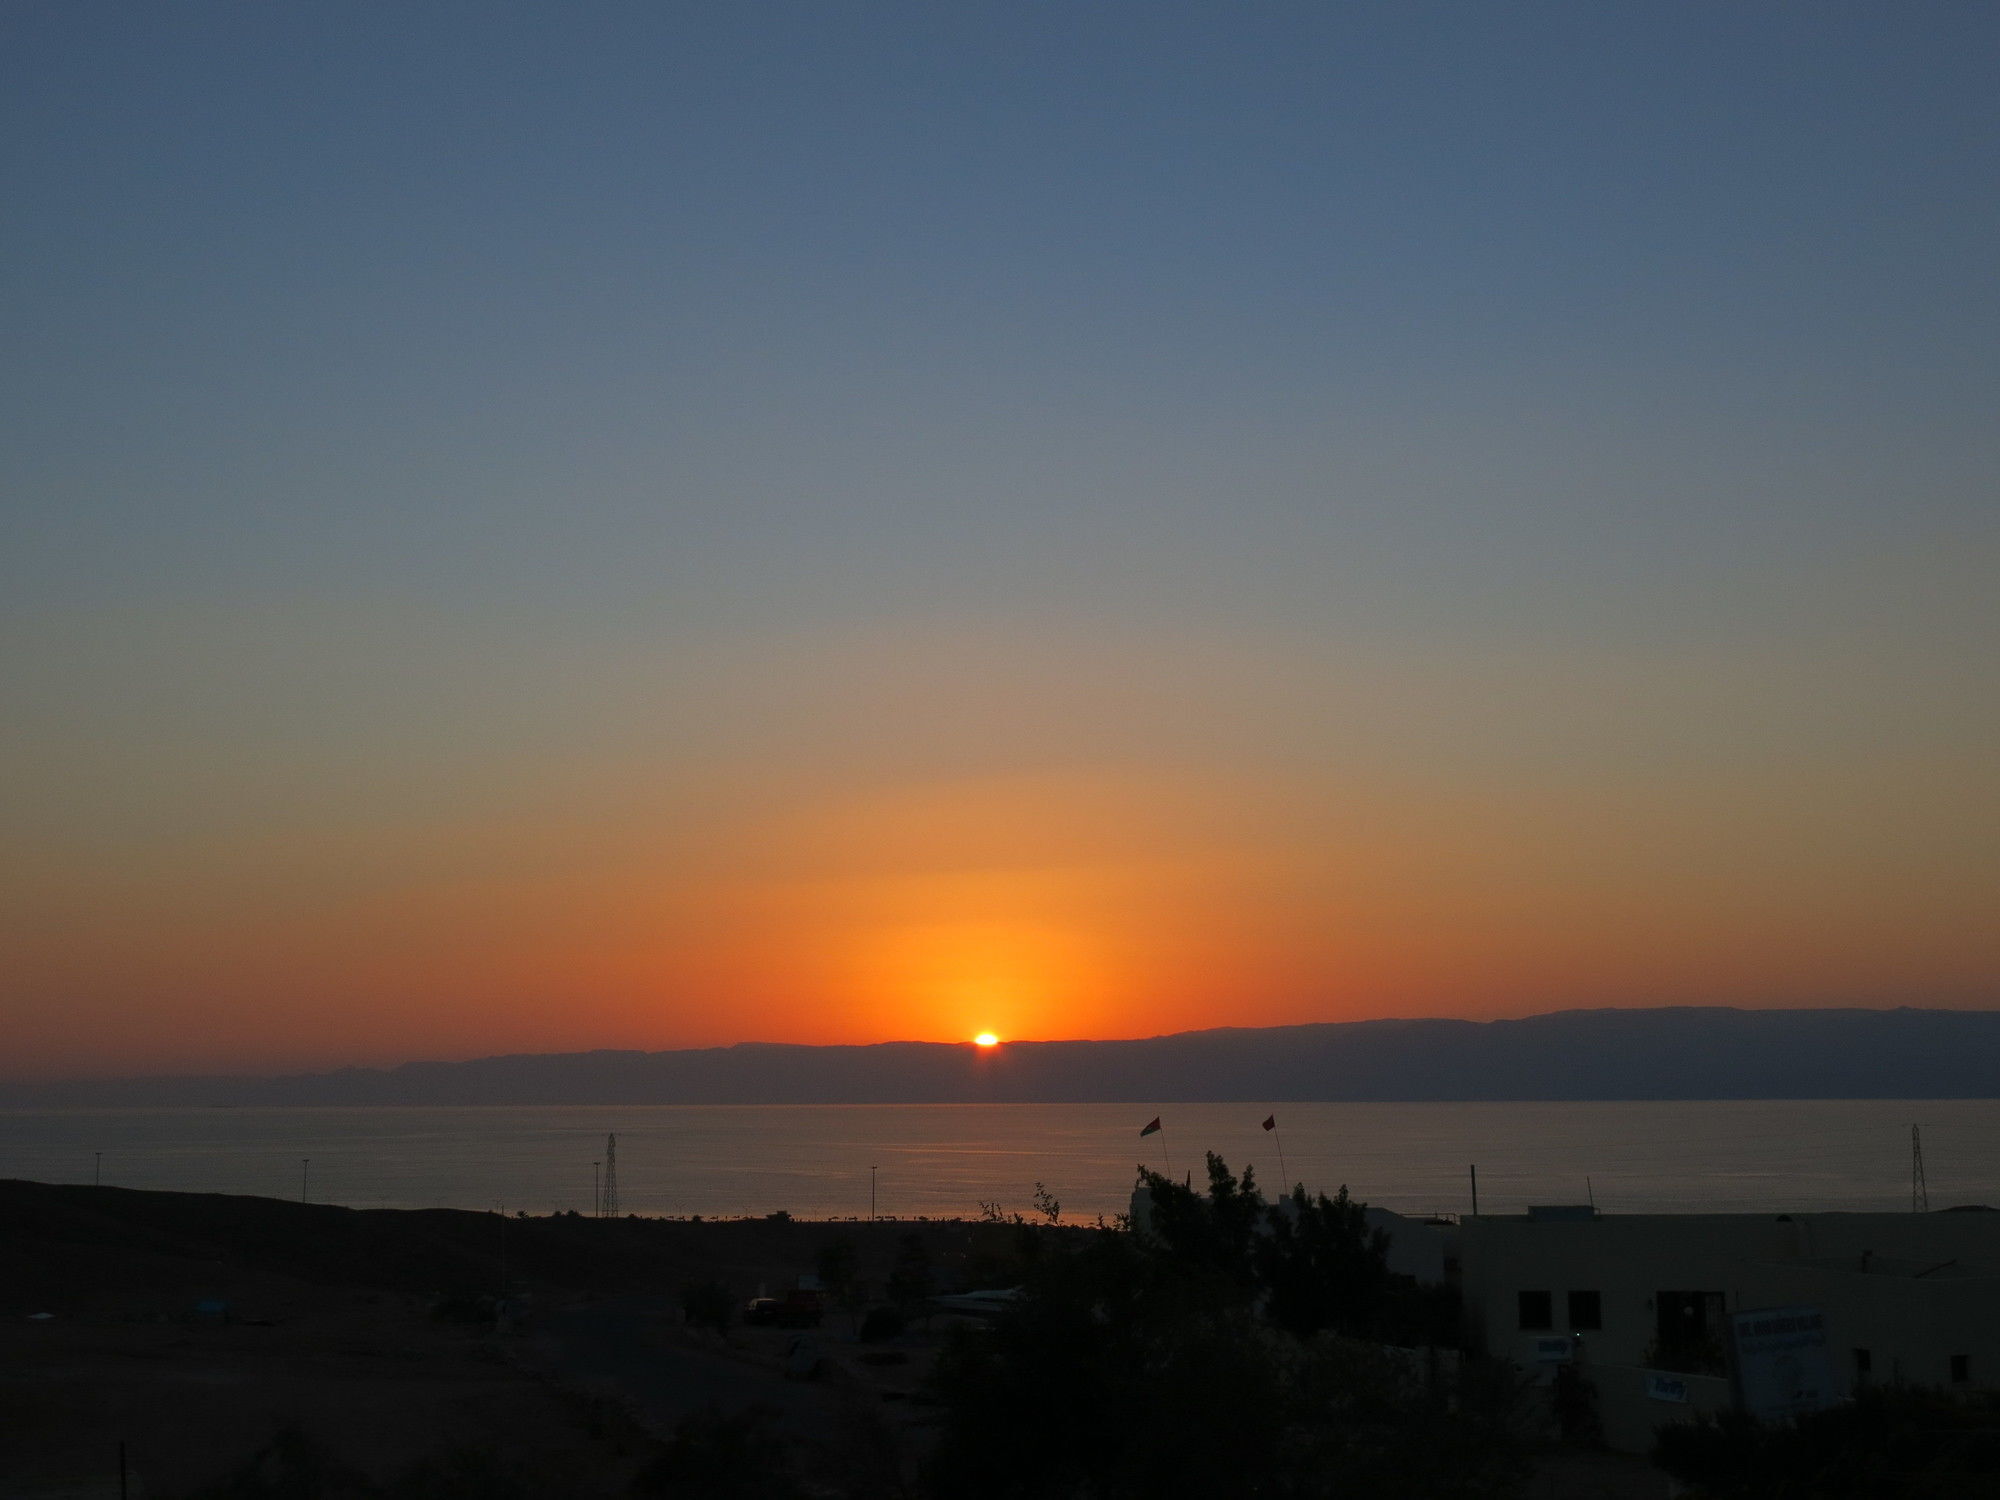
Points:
(945, 1160)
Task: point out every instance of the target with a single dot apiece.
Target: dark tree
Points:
(1889, 1443)
(911, 1281)
(468, 1474)
(1154, 1363)
(715, 1457)
(1322, 1267)
(1047, 1205)
(1206, 1235)
(294, 1467)
(838, 1266)
(707, 1304)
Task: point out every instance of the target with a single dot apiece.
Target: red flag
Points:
(1152, 1127)
(1270, 1122)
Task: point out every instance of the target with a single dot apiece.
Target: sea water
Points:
(941, 1160)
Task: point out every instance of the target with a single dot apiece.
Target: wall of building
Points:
(1913, 1290)
(1633, 1403)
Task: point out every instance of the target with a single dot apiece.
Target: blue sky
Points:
(420, 411)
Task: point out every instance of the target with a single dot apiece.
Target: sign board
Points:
(1554, 1351)
(1666, 1388)
(1781, 1365)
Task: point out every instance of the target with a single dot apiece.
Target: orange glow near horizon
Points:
(1106, 902)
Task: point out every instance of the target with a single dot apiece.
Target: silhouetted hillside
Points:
(1680, 1053)
(81, 1249)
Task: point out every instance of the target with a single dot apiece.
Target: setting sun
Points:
(986, 1039)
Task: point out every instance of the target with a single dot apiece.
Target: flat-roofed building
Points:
(1642, 1305)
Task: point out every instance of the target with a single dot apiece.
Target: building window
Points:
(1863, 1363)
(1537, 1309)
(1586, 1311)
(1687, 1338)
(1961, 1369)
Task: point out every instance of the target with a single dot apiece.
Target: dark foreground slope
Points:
(211, 1346)
(1680, 1053)
(95, 1251)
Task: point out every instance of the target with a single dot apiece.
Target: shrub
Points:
(881, 1323)
(707, 1304)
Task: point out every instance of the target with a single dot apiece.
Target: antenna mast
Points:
(1920, 1194)
(609, 1204)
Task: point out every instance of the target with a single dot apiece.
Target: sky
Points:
(543, 527)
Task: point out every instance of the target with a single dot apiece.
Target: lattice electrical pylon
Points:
(609, 1202)
(1920, 1193)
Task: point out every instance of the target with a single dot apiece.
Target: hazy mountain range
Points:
(1678, 1053)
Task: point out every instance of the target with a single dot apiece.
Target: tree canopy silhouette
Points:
(1215, 1348)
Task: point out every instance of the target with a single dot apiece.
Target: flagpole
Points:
(1271, 1124)
(1157, 1126)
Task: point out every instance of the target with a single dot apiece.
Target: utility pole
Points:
(1920, 1193)
(1475, 1192)
(597, 1190)
(609, 1207)
(305, 1167)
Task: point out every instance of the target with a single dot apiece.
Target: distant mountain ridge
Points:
(1667, 1053)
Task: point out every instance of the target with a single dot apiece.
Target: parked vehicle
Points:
(798, 1308)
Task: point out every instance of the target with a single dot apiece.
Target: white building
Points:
(1648, 1306)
